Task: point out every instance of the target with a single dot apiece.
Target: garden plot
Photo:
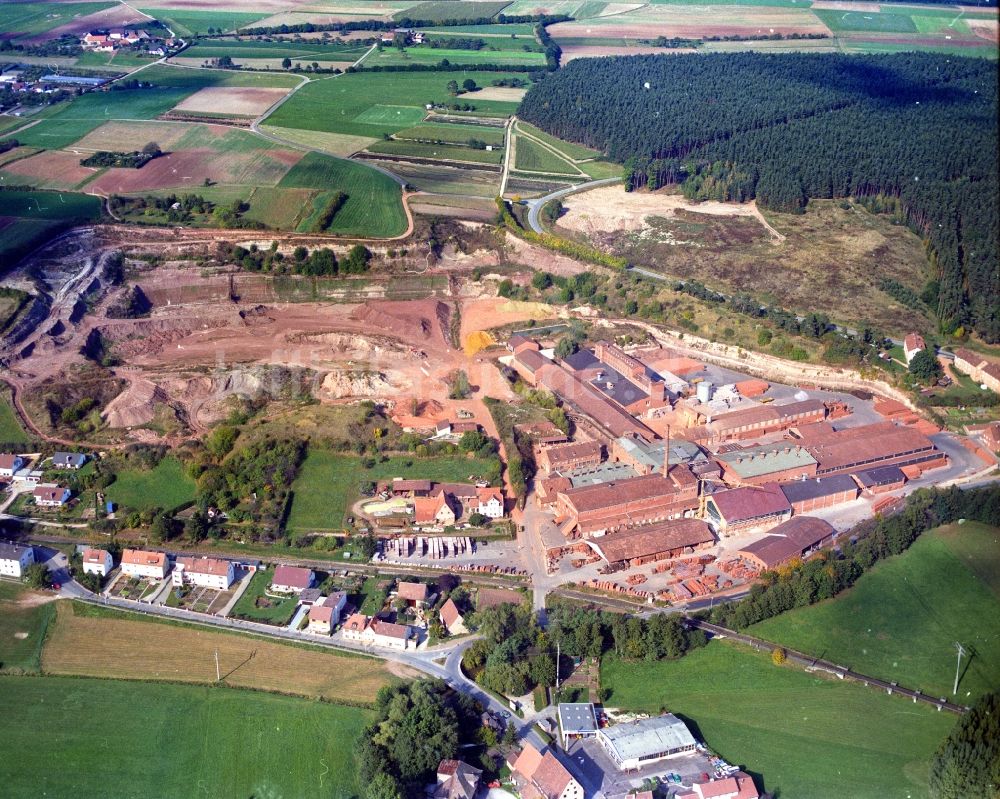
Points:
(230, 101)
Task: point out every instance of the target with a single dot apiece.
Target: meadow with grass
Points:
(171, 740)
(255, 605)
(11, 431)
(329, 482)
(24, 619)
(800, 734)
(901, 619)
(166, 486)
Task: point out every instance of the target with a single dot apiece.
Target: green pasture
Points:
(801, 734)
(187, 22)
(453, 133)
(374, 202)
(575, 152)
(165, 486)
(22, 628)
(439, 10)
(901, 619)
(76, 118)
(26, 19)
(171, 741)
(447, 152)
(520, 29)
(533, 157)
(373, 103)
(841, 21)
(11, 431)
(390, 56)
(242, 49)
(171, 77)
(328, 483)
(58, 205)
(984, 50)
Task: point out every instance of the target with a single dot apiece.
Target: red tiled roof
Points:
(321, 613)
(356, 623)
(213, 566)
(142, 557)
(414, 592)
(450, 613)
(390, 630)
(608, 495)
(654, 538)
(494, 597)
(49, 493)
(293, 576)
(789, 539)
(7, 460)
(94, 555)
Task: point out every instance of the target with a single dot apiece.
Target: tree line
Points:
(914, 134)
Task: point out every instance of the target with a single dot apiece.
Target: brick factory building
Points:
(884, 444)
(820, 492)
(748, 507)
(565, 457)
(768, 463)
(880, 480)
(762, 419)
(593, 510)
(653, 542)
(796, 538)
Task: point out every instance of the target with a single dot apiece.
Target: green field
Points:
(455, 134)
(24, 235)
(281, 610)
(447, 152)
(241, 49)
(171, 741)
(11, 431)
(439, 10)
(575, 152)
(841, 21)
(165, 76)
(900, 620)
(185, 22)
(24, 19)
(520, 29)
(374, 206)
(533, 157)
(22, 627)
(328, 483)
(165, 486)
(61, 205)
(807, 736)
(390, 56)
(373, 103)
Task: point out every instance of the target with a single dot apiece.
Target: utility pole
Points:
(218, 672)
(958, 666)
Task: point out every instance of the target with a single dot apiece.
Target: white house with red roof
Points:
(387, 634)
(9, 464)
(543, 777)
(143, 563)
(97, 561)
(50, 495)
(912, 344)
(292, 579)
(204, 572)
(452, 619)
(490, 502)
(738, 786)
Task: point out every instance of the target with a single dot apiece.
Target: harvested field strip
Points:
(91, 641)
(533, 156)
(437, 10)
(165, 740)
(23, 19)
(453, 133)
(443, 152)
(434, 55)
(187, 22)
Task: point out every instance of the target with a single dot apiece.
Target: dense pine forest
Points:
(910, 134)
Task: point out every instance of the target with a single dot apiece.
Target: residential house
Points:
(9, 464)
(321, 619)
(14, 559)
(292, 579)
(97, 561)
(912, 344)
(50, 495)
(69, 460)
(336, 600)
(142, 563)
(204, 572)
(355, 626)
(415, 594)
(387, 634)
(434, 511)
(543, 776)
(452, 619)
(490, 502)
(737, 786)
(456, 779)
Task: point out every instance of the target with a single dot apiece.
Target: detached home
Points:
(292, 579)
(321, 619)
(14, 559)
(436, 510)
(490, 502)
(68, 460)
(10, 464)
(415, 594)
(205, 572)
(355, 626)
(387, 634)
(142, 563)
(97, 561)
(452, 618)
(51, 495)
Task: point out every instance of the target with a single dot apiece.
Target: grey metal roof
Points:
(766, 459)
(651, 454)
(816, 487)
(646, 737)
(577, 717)
(9, 551)
(883, 475)
(581, 359)
(607, 472)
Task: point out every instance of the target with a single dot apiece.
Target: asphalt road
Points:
(535, 206)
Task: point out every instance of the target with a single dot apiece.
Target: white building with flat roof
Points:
(576, 720)
(638, 743)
